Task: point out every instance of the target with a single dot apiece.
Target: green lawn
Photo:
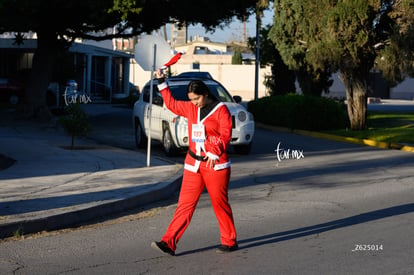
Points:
(385, 127)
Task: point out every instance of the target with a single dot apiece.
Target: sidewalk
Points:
(49, 187)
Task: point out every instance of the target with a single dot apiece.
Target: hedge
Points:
(300, 112)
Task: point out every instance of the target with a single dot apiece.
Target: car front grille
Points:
(233, 120)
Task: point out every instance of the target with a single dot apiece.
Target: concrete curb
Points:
(69, 219)
(367, 142)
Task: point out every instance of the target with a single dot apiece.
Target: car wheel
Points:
(170, 149)
(140, 138)
(243, 149)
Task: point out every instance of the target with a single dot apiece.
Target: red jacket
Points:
(217, 125)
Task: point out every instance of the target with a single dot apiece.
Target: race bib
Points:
(198, 134)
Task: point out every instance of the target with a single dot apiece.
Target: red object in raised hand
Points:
(172, 61)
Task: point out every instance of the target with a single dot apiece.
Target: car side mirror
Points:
(237, 98)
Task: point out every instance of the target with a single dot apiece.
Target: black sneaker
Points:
(163, 248)
(226, 249)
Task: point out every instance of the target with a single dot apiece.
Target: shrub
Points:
(300, 112)
(75, 122)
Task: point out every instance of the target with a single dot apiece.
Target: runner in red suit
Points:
(206, 165)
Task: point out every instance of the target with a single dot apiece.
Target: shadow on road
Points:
(332, 225)
(318, 228)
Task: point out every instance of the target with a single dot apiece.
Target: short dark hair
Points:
(198, 87)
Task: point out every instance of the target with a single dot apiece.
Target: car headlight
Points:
(242, 116)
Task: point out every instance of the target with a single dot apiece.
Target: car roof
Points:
(196, 74)
(220, 92)
(176, 79)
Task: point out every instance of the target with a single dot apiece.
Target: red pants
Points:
(217, 183)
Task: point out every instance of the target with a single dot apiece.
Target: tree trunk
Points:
(40, 76)
(356, 86)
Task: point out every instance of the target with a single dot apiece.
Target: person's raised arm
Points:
(178, 107)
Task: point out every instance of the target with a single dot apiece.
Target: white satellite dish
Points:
(144, 52)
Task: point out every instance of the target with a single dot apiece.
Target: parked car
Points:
(172, 130)
(196, 74)
(11, 91)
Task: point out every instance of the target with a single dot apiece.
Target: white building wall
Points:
(404, 90)
(337, 90)
(238, 79)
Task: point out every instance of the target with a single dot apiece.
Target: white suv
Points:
(172, 130)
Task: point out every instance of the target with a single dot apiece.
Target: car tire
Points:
(170, 149)
(140, 137)
(243, 149)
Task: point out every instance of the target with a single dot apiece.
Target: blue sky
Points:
(234, 31)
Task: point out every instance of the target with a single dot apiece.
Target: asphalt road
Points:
(301, 206)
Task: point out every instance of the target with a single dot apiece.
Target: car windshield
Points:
(179, 90)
